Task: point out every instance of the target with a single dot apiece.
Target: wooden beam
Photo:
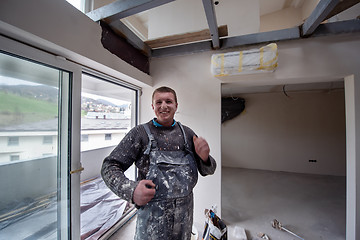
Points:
(185, 38)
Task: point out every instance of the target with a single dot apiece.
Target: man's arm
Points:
(118, 161)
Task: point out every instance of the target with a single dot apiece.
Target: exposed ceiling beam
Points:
(255, 38)
(343, 27)
(319, 14)
(343, 5)
(350, 26)
(185, 38)
(123, 8)
(121, 29)
(211, 19)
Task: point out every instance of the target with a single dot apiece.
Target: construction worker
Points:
(168, 156)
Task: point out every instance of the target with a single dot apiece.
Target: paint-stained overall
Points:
(169, 161)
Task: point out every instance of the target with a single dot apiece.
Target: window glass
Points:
(35, 205)
(13, 141)
(47, 139)
(108, 136)
(108, 112)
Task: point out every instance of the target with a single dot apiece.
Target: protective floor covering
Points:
(36, 218)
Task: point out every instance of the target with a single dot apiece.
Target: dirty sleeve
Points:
(120, 159)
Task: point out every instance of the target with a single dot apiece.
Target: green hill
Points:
(16, 109)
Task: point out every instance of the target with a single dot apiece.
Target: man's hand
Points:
(144, 192)
(201, 148)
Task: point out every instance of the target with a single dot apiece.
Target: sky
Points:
(112, 100)
(14, 81)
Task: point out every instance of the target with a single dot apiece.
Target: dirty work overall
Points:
(169, 215)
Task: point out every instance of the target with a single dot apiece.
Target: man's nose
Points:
(163, 104)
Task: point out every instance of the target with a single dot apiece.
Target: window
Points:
(108, 136)
(108, 112)
(35, 104)
(84, 137)
(14, 158)
(47, 140)
(13, 141)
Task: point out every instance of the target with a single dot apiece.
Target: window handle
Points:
(77, 170)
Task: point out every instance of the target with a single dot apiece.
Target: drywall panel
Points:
(281, 133)
(59, 28)
(286, 18)
(184, 16)
(308, 7)
(199, 108)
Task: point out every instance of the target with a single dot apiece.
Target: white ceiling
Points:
(241, 17)
(182, 16)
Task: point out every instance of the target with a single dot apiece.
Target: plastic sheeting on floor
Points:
(100, 209)
(36, 218)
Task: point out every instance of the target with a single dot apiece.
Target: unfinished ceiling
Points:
(139, 30)
(158, 28)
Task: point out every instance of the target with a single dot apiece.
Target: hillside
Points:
(15, 109)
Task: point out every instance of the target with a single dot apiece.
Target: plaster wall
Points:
(184, 16)
(281, 133)
(286, 18)
(199, 108)
(308, 8)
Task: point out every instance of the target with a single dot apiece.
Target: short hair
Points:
(164, 90)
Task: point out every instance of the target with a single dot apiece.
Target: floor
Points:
(311, 206)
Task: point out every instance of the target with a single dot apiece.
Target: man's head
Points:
(164, 104)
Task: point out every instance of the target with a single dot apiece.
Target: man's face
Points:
(164, 106)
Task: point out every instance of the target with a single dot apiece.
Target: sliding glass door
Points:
(36, 137)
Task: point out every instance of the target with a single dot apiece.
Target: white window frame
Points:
(20, 49)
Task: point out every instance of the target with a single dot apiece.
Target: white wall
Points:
(184, 16)
(281, 133)
(286, 18)
(199, 108)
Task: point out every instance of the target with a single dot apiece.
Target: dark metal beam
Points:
(123, 8)
(342, 6)
(319, 14)
(343, 27)
(211, 19)
(121, 29)
(255, 38)
(327, 29)
(286, 34)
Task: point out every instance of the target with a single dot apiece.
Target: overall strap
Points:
(152, 141)
(184, 134)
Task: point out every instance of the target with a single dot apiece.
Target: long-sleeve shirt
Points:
(131, 150)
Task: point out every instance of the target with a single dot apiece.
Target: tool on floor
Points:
(276, 224)
(263, 236)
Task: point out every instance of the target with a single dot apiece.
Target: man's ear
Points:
(152, 105)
